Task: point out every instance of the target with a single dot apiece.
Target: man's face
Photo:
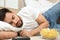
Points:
(13, 19)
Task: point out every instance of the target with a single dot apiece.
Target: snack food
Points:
(49, 33)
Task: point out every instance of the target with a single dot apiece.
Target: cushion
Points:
(5, 26)
(42, 5)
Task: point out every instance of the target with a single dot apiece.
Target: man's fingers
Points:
(21, 33)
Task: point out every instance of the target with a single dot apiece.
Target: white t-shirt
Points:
(29, 15)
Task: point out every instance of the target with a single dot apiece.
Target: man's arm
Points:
(43, 23)
(7, 35)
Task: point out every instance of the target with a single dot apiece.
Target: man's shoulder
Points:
(25, 9)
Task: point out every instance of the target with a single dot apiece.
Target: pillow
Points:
(5, 26)
(41, 5)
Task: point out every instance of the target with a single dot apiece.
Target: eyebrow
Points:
(12, 16)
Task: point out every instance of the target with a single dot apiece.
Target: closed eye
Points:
(13, 17)
(11, 22)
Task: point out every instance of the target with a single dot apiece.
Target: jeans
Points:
(52, 15)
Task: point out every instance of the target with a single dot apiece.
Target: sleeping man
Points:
(30, 20)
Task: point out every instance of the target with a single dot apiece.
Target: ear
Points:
(58, 20)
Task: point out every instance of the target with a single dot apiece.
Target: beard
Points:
(21, 24)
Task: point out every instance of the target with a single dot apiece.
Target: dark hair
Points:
(3, 12)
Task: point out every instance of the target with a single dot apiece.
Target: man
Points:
(29, 23)
(31, 15)
(13, 19)
(33, 21)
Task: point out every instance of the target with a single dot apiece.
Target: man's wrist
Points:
(18, 33)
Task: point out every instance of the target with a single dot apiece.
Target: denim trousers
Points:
(52, 15)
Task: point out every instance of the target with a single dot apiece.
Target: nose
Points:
(14, 21)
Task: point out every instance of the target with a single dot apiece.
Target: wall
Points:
(14, 5)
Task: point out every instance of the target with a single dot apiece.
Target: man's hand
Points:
(7, 35)
(25, 33)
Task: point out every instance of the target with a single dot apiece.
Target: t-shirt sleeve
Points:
(25, 12)
(36, 12)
